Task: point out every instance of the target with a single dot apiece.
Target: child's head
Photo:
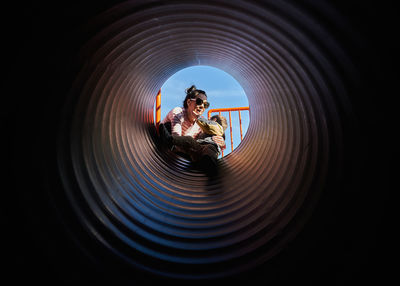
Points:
(221, 120)
(215, 126)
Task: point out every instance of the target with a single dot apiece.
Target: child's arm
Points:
(220, 141)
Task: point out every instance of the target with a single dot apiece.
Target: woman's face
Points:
(195, 110)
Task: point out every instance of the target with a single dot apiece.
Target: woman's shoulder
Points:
(173, 113)
(177, 110)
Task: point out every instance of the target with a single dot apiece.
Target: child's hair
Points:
(221, 120)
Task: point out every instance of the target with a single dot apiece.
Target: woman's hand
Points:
(220, 141)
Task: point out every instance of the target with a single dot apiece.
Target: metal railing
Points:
(230, 110)
(158, 109)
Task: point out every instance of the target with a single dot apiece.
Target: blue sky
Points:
(223, 91)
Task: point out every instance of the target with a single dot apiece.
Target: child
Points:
(216, 126)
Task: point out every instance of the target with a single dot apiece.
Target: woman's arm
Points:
(175, 117)
(176, 126)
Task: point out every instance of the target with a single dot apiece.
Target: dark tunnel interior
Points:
(92, 198)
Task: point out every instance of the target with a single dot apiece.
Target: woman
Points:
(179, 130)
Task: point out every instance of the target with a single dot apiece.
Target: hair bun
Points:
(190, 89)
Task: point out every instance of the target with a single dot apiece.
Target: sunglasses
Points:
(199, 101)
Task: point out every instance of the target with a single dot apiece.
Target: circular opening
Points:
(223, 92)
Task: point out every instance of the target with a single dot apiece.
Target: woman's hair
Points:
(192, 92)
